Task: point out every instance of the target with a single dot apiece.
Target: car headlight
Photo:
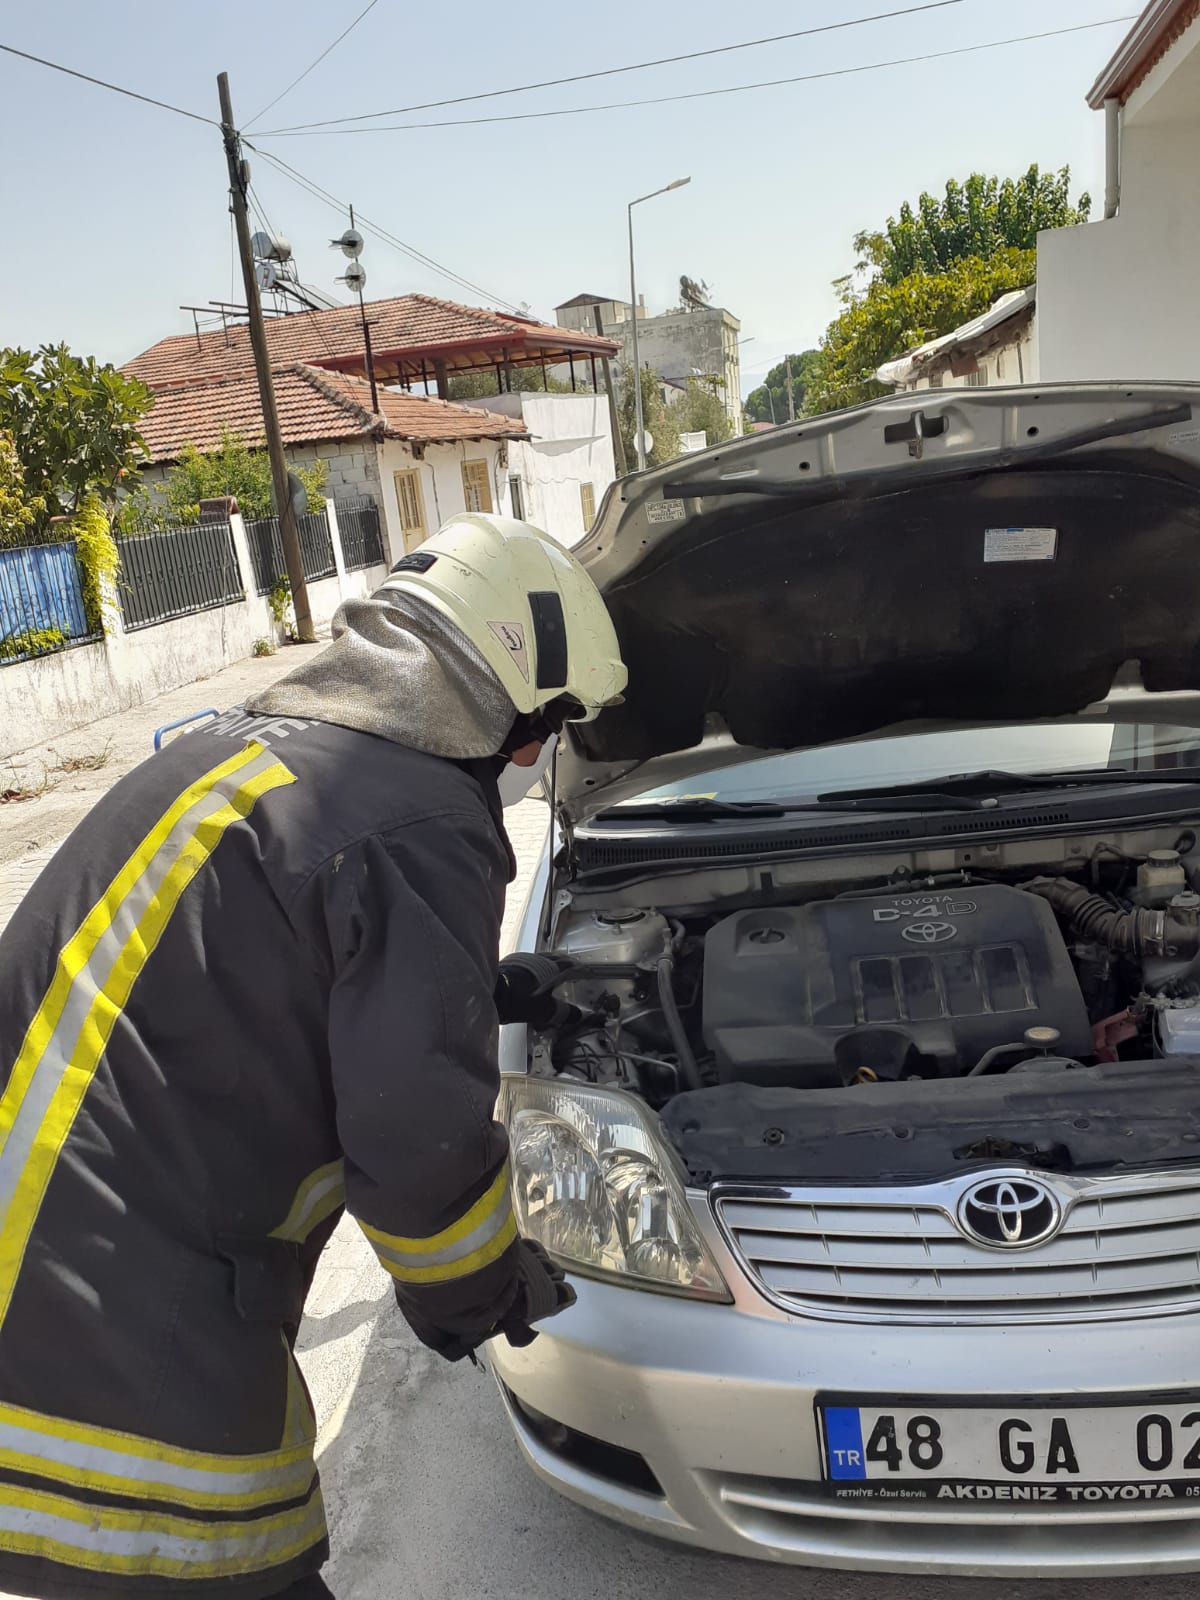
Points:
(594, 1185)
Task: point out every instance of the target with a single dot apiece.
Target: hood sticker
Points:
(665, 511)
(512, 636)
(1020, 544)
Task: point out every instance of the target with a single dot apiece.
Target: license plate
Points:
(1040, 1451)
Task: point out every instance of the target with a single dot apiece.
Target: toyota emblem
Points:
(1009, 1213)
(929, 932)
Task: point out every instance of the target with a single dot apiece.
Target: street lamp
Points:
(640, 440)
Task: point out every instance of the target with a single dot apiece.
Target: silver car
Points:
(867, 1118)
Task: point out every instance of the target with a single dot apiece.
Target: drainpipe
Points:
(1112, 156)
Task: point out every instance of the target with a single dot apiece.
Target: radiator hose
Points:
(688, 1070)
(1168, 934)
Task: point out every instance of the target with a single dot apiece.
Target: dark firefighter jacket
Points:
(255, 984)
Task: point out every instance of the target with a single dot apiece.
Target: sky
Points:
(117, 212)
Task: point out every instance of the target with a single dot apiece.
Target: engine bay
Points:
(877, 994)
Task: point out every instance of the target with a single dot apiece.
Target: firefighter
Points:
(257, 985)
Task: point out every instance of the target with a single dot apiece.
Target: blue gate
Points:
(40, 593)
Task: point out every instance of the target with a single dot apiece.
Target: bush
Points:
(99, 560)
(33, 642)
(20, 512)
(234, 469)
(262, 647)
(279, 603)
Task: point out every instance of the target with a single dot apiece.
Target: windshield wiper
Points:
(702, 810)
(982, 786)
(966, 791)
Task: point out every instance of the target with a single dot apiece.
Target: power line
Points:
(611, 72)
(100, 83)
(707, 94)
(285, 92)
(381, 233)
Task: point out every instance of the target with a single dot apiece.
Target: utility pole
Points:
(362, 311)
(293, 560)
(787, 366)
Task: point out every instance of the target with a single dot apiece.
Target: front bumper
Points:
(717, 1401)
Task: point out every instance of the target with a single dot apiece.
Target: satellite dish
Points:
(350, 244)
(647, 441)
(355, 276)
(271, 247)
(267, 274)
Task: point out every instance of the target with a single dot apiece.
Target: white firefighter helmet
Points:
(526, 605)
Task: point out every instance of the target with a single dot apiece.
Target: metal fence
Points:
(172, 571)
(266, 549)
(41, 601)
(358, 524)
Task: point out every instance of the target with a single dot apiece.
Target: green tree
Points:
(931, 269)
(701, 411)
(768, 403)
(234, 468)
(20, 511)
(880, 323)
(658, 418)
(74, 425)
(975, 220)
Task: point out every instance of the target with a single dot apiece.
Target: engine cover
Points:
(900, 984)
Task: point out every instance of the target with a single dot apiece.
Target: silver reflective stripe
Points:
(92, 977)
(105, 1540)
(317, 1198)
(273, 1479)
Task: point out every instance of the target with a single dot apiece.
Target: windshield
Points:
(915, 758)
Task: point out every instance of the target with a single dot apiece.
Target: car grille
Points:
(1126, 1245)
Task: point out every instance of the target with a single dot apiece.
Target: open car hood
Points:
(941, 557)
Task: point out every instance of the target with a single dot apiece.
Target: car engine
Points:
(892, 986)
(944, 978)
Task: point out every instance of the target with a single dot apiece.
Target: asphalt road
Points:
(430, 1500)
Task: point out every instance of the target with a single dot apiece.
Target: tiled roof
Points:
(314, 406)
(405, 328)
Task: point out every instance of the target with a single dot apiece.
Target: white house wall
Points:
(1117, 298)
(571, 446)
(1012, 362)
(441, 482)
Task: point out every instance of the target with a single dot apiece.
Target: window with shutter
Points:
(516, 498)
(477, 486)
(587, 501)
(411, 504)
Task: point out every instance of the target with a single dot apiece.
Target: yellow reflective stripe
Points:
(70, 1032)
(142, 1469)
(136, 1543)
(317, 1198)
(299, 1420)
(495, 1199)
(83, 942)
(445, 1271)
(479, 1237)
